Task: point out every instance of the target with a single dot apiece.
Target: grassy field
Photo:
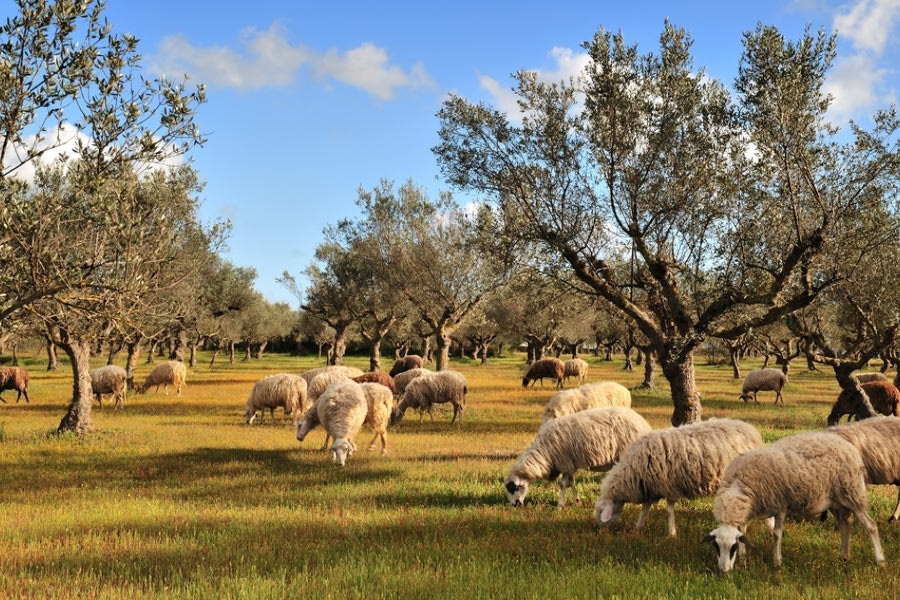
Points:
(178, 498)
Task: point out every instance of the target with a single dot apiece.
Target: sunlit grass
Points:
(178, 498)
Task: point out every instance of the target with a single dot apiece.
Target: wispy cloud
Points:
(268, 59)
(858, 80)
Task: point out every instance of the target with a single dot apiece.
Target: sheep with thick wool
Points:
(424, 392)
(802, 475)
(171, 372)
(401, 380)
(878, 441)
(577, 368)
(320, 382)
(589, 395)
(282, 390)
(310, 374)
(110, 379)
(884, 397)
(550, 368)
(342, 410)
(377, 377)
(379, 402)
(763, 380)
(674, 463)
(410, 361)
(867, 377)
(590, 439)
(14, 378)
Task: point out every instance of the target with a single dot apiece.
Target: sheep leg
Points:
(645, 510)
(872, 527)
(327, 439)
(566, 481)
(896, 513)
(670, 517)
(777, 534)
(842, 516)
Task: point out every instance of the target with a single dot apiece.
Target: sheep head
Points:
(516, 490)
(607, 511)
(727, 540)
(340, 450)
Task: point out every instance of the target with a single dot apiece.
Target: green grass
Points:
(178, 498)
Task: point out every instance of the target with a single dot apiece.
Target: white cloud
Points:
(868, 24)
(268, 59)
(853, 83)
(52, 145)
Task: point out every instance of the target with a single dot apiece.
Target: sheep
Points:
(884, 396)
(545, 367)
(591, 395)
(867, 377)
(321, 381)
(310, 374)
(110, 379)
(14, 378)
(803, 475)
(342, 409)
(402, 379)
(283, 390)
(425, 391)
(673, 463)
(577, 368)
(763, 380)
(590, 439)
(171, 372)
(379, 402)
(878, 441)
(411, 361)
(377, 377)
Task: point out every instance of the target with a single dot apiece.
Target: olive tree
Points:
(737, 206)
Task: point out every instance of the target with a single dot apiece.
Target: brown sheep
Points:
(884, 397)
(14, 378)
(545, 367)
(377, 377)
(411, 361)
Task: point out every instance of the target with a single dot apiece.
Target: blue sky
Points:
(309, 101)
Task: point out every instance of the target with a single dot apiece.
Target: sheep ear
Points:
(743, 539)
(709, 538)
(511, 487)
(606, 513)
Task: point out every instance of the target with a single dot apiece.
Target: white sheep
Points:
(110, 379)
(283, 390)
(401, 380)
(171, 372)
(577, 368)
(551, 368)
(673, 463)
(591, 439)
(590, 395)
(309, 374)
(321, 381)
(341, 409)
(763, 380)
(14, 378)
(379, 402)
(878, 441)
(425, 391)
(802, 475)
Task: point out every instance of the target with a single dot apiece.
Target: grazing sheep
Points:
(763, 380)
(341, 409)
(14, 378)
(310, 374)
(424, 392)
(802, 475)
(411, 361)
(283, 390)
(171, 372)
(591, 439)
(402, 379)
(878, 441)
(577, 368)
(377, 377)
(379, 402)
(110, 379)
(552, 368)
(674, 463)
(867, 377)
(884, 397)
(590, 395)
(321, 381)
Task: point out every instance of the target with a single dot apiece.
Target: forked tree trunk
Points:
(78, 417)
(52, 358)
(442, 350)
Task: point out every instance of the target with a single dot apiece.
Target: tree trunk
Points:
(78, 417)
(231, 351)
(843, 371)
(375, 354)
(246, 354)
(340, 345)
(215, 355)
(649, 370)
(192, 349)
(629, 365)
(442, 352)
(133, 350)
(685, 395)
(151, 351)
(15, 355)
(52, 358)
(260, 350)
(735, 363)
